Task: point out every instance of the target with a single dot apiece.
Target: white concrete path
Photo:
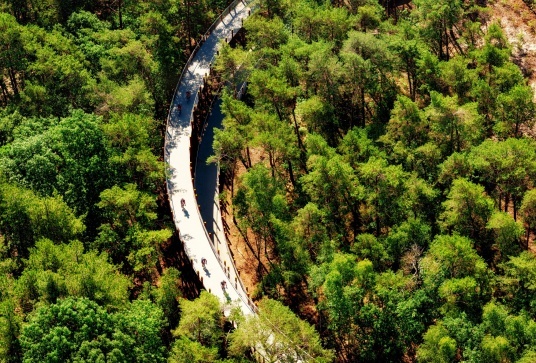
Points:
(188, 221)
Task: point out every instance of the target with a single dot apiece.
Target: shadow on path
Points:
(206, 176)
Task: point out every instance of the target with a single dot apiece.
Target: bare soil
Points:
(519, 24)
(245, 261)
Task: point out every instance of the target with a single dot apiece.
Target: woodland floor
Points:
(519, 23)
(245, 260)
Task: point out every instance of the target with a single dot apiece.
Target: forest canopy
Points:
(382, 173)
(380, 170)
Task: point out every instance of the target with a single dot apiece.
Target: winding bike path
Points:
(197, 242)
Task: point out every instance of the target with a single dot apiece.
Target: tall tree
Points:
(515, 111)
(59, 271)
(12, 57)
(27, 217)
(332, 184)
(80, 330)
(438, 19)
(201, 320)
(528, 212)
(453, 270)
(467, 211)
(277, 335)
(503, 167)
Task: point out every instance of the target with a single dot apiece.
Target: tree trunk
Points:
(188, 24)
(272, 163)
(13, 81)
(248, 157)
(291, 174)
(455, 42)
(120, 11)
(248, 244)
(410, 85)
(279, 115)
(5, 94)
(296, 128)
(233, 173)
(362, 109)
(446, 39)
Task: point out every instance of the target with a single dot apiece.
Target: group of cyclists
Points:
(204, 264)
(183, 202)
(179, 106)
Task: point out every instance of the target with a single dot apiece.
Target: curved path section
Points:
(219, 276)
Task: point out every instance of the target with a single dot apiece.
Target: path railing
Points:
(245, 299)
(241, 92)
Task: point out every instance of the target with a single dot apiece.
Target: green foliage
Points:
(333, 185)
(10, 325)
(503, 168)
(528, 208)
(518, 282)
(260, 204)
(499, 337)
(185, 350)
(437, 347)
(366, 132)
(167, 295)
(412, 232)
(129, 214)
(507, 233)
(127, 206)
(59, 271)
(459, 76)
(80, 330)
(277, 334)
(366, 246)
(453, 128)
(407, 127)
(515, 111)
(70, 157)
(438, 18)
(84, 88)
(12, 54)
(201, 320)
(403, 130)
(27, 217)
(137, 333)
(467, 210)
(461, 278)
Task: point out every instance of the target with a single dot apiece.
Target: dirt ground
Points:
(519, 24)
(245, 261)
